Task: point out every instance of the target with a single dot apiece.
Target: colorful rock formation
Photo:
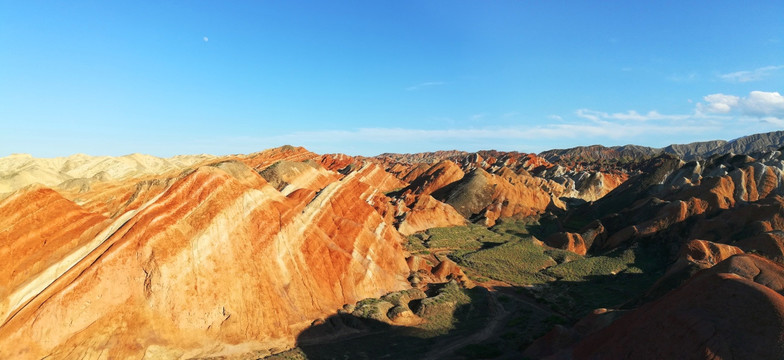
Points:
(218, 263)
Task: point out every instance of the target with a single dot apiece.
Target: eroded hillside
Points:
(291, 254)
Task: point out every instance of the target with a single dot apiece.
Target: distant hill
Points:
(696, 150)
(595, 153)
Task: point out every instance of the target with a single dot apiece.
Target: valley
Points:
(590, 252)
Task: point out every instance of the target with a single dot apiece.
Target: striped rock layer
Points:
(206, 261)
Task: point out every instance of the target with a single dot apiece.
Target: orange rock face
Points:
(708, 317)
(707, 253)
(437, 176)
(492, 196)
(567, 241)
(218, 263)
(427, 212)
(41, 232)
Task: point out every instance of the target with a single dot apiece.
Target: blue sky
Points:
(359, 77)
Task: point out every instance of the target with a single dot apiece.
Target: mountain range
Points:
(590, 252)
(696, 150)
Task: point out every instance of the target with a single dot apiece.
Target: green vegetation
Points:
(452, 313)
(546, 287)
(564, 281)
(603, 281)
(610, 264)
(469, 237)
(517, 262)
(372, 308)
(293, 354)
(447, 309)
(416, 243)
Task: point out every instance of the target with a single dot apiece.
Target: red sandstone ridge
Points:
(218, 263)
(41, 234)
(435, 177)
(481, 195)
(260, 160)
(237, 255)
(423, 212)
(708, 317)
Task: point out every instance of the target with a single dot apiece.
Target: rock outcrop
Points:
(567, 241)
(708, 317)
(697, 150)
(425, 212)
(217, 263)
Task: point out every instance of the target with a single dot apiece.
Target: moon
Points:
(206, 39)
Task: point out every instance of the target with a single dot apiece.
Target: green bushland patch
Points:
(468, 237)
(603, 281)
(517, 262)
(448, 298)
(610, 264)
(368, 301)
(539, 227)
(401, 298)
(452, 313)
(415, 243)
(293, 354)
(562, 256)
(568, 283)
(372, 308)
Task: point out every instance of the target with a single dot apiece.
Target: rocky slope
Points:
(703, 319)
(697, 150)
(489, 185)
(707, 214)
(215, 262)
(20, 170)
(244, 255)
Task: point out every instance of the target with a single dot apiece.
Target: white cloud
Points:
(751, 75)
(589, 114)
(489, 135)
(716, 116)
(761, 103)
(683, 77)
(718, 103)
(206, 39)
(424, 85)
(630, 115)
(757, 103)
(773, 120)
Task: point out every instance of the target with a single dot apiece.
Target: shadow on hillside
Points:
(500, 323)
(346, 336)
(503, 327)
(607, 284)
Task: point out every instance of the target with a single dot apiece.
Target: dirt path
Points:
(509, 290)
(497, 317)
